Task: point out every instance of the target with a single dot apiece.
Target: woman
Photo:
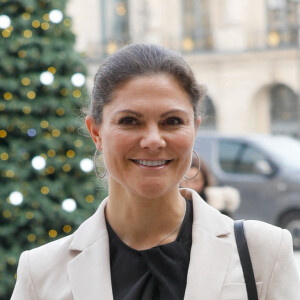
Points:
(148, 239)
(226, 199)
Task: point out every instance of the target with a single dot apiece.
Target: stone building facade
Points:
(245, 52)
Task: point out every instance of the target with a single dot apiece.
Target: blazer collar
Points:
(89, 270)
(210, 252)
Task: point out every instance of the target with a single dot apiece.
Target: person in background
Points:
(226, 199)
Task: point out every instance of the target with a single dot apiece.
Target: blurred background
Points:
(247, 53)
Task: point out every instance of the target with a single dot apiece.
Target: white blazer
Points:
(77, 266)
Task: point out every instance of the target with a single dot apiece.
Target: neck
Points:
(142, 222)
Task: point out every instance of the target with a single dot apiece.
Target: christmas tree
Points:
(47, 184)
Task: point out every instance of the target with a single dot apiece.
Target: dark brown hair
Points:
(141, 60)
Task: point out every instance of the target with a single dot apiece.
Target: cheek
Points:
(184, 144)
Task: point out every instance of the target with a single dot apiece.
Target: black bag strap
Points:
(245, 259)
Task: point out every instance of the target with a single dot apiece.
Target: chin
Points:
(154, 190)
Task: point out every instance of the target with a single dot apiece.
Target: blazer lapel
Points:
(89, 270)
(210, 253)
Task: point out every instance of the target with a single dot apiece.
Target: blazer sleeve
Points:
(284, 282)
(24, 289)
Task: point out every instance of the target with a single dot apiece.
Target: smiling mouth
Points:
(151, 163)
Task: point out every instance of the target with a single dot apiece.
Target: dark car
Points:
(266, 171)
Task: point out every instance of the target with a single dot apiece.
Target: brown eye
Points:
(174, 121)
(128, 121)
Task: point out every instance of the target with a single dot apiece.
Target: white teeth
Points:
(151, 163)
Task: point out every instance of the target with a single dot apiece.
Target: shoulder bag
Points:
(245, 259)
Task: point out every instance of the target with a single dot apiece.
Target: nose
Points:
(152, 138)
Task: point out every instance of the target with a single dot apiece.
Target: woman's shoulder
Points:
(50, 254)
(258, 232)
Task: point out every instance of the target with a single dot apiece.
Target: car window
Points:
(237, 157)
(229, 154)
(249, 161)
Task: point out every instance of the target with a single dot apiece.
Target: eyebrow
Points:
(162, 115)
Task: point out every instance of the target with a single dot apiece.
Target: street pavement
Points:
(297, 256)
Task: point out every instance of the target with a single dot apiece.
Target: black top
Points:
(152, 274)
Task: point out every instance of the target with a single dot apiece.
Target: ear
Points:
(198, 122)
(94, 131)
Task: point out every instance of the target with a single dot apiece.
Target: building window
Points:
(283, 110)
(282, 23)
(196, 29)
(115, 25)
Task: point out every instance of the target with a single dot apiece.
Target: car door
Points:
(241, 165)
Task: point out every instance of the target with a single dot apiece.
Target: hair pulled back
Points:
(141, 60)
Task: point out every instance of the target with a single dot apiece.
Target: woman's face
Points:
(146, 135)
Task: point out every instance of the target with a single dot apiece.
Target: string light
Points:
(38, 163)
(4, 156)
(67, 228)
(3, 134)
(4, 21)
(6, 214)
(31, 238)
(31, 132)
(69, 205)
(22, 53)
(77, 93)
(46, 78)
(44, 124)
(89, 198)
(45, 26)
(56, 16)
(64, 92)
(50, 170)
(15, 198)
(7, 96)
(10, 173)
(60, 111)
(51, 153)
(26, 110)
(70, 153)
(78, 79)
(26, 16)
(6, 33)
(27, 33)
(66, 168)
(78, 143)
(56, 132)
(26, 81)
(52, 233)
(52, 70)
(12, 261)
(46, 17)
(67, 22)
(36, 23)
(45, 190)
(86, 165)
(31, 95)
(29, 215)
